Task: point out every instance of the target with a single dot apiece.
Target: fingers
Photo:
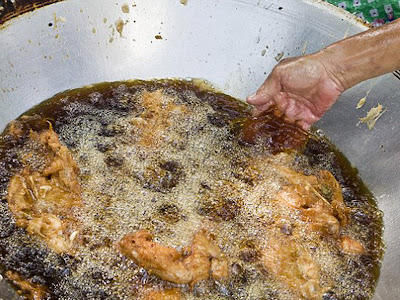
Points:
(259, 98)
(294, 110)
(265, 94)
(303, 125)
(258, 110)
(294, 106)
(291, 111)
(307, 116)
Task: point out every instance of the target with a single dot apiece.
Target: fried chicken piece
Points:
(219, 268)
(31, 192)
(202, 259)
(349, 245)
(171, 294)
(32, 290)
(49, 228)
(328, 180)
(156, 117)
(319, 199)
(63, 169)
(38, 197)
(322, 220)
(291, 264)
(15, 129)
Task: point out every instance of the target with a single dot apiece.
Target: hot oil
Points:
(193, 172)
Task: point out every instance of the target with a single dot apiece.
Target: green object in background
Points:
(376, 12)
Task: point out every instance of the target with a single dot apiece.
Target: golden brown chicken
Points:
(42, 199)
(319, 199)
(291, 264)
(155, 118)
(195, 263)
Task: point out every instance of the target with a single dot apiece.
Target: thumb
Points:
(266, 93)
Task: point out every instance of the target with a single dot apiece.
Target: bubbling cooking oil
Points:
(173, 168)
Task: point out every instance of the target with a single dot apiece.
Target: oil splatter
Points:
(125, 8)
(346, 34)
(119, 26)
(303, 51)
(57, 20)
(279, 56)
(372, 116)
(361, 102)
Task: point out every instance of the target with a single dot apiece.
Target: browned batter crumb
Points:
(27, 288)
(351, 246)
(170, 294)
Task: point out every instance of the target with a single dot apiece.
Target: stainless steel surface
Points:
(232, 44)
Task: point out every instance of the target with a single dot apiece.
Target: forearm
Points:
(363, 56)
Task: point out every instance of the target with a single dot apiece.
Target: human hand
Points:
(302, 88)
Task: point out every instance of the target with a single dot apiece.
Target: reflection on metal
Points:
(231, 43)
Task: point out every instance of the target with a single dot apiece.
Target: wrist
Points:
(335, 67)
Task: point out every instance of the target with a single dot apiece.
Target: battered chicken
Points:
(156, 117)
(319, 199)
(42, 198)
(195, 263)
(351, 246)
(320, 203)
(291, 264)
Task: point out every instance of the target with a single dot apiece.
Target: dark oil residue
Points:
(20, 253)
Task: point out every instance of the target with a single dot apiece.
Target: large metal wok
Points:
(232, 43)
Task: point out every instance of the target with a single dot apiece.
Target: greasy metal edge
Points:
(10, 9)
(349, 16)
